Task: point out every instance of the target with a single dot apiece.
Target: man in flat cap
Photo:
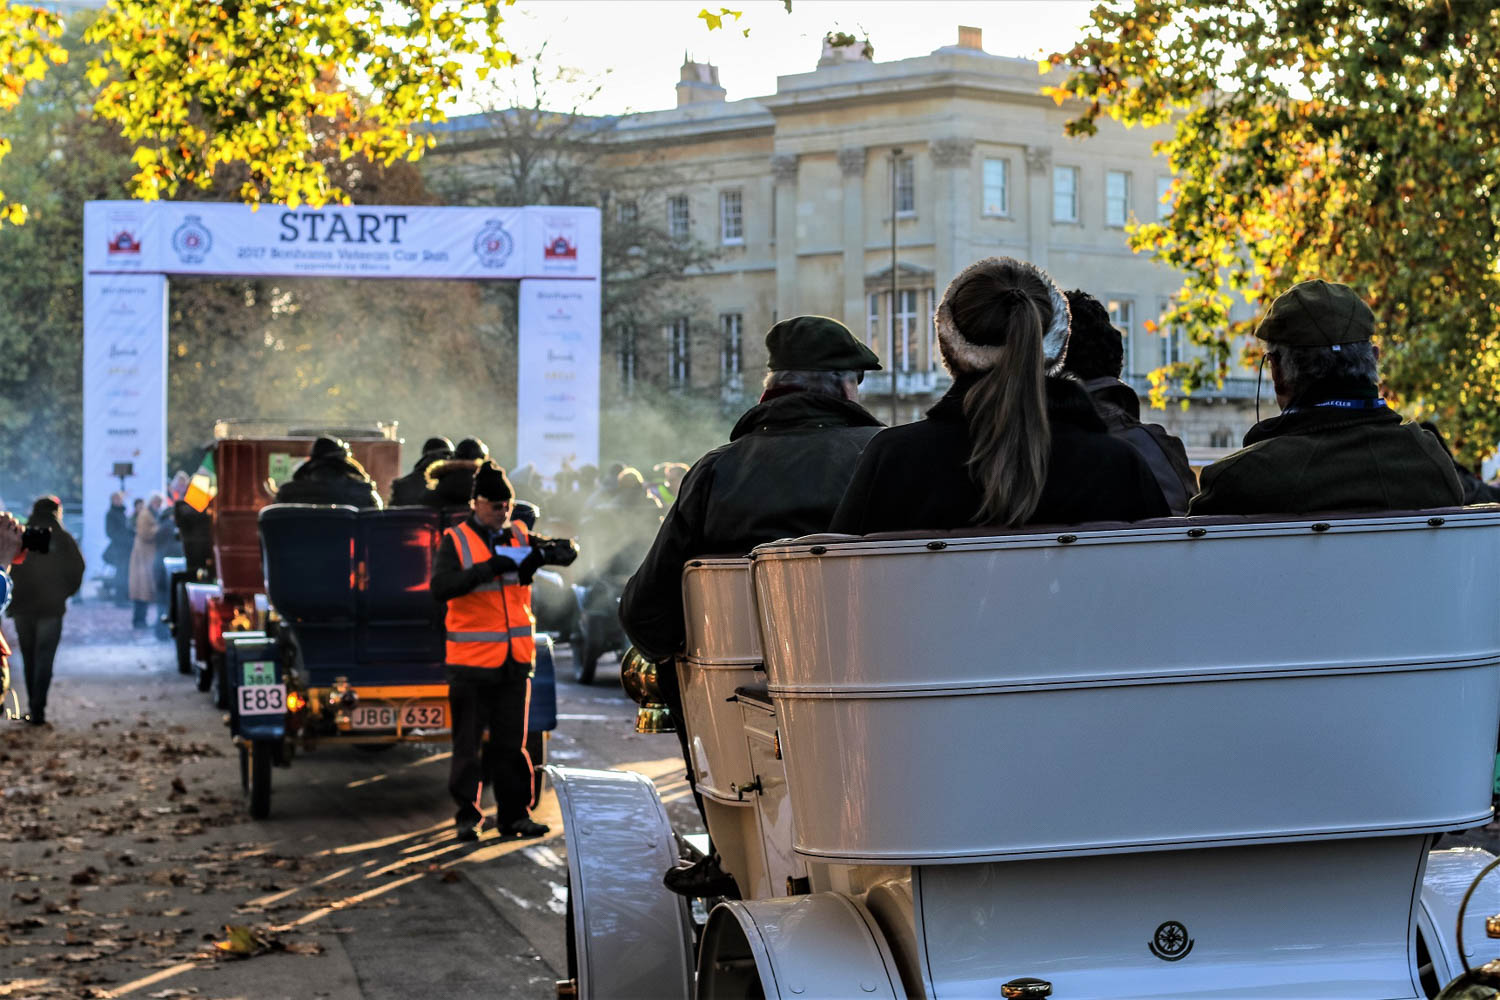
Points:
(483, 572)
(1336, 444)
(782, 473)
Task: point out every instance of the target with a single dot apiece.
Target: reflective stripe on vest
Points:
(493, 622)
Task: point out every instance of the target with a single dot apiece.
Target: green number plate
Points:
(258, 672)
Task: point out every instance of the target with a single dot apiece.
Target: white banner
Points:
(557, 375)
(356, 241)
(124, 395)
(130, 246)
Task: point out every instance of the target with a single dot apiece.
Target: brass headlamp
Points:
(638, 677)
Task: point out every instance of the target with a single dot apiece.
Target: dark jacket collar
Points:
(1067, 403)
(1114, 392)
(800, 410)
(1304, 415)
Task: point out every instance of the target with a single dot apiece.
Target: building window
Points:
(627, 359)
(996, 187)
(731, 348)
(1164, 197)
(679, 365)
(1122, 315)
(909, 326)
(627, 213)
(906, 186)
(1116, 198)
(679, 218)
(731, 218)
(1172, 340)
(1064, 194)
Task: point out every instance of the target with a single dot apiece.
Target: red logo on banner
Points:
(124, 242)
(560, 249)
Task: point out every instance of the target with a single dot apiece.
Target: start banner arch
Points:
(132, 248)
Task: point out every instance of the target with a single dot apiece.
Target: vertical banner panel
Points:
(124, 394)
(557, 364)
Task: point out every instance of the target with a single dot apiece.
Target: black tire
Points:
(258, 795)
(244, 768)
(586, 651)
(203, 673)
(182, 628)
(536, 749)
(219, 677)
(373, 747)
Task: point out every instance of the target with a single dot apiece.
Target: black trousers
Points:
(498, 705)
(671, 693)
(39, 638)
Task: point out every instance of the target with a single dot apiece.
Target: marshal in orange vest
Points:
(492, 623)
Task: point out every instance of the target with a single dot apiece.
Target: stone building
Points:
(797, 191)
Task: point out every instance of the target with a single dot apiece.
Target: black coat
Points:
(916, 477)
(450, 482)
(1120, 409)
(45, 581)
(330, 480)
(407, 490)
(781, 475)
(121, 537)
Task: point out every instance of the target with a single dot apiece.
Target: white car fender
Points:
(633, 937)
(800, 947)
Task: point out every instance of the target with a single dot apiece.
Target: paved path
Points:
(127, 850)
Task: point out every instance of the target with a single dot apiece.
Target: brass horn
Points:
(638, 677)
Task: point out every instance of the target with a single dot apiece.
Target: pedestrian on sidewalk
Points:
(43, 584)
(117, 555)
(143, 560)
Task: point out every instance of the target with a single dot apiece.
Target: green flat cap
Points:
(1317, 314)
(817, 344)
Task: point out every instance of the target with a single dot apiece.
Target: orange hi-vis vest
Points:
(493, 622)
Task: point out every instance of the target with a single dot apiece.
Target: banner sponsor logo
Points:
(493, 246)
(124, 242)
(192, 241)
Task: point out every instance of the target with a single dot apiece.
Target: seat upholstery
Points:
(308, 556)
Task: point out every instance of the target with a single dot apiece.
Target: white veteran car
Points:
(1202, 757)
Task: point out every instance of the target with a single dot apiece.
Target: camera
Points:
(37, 538)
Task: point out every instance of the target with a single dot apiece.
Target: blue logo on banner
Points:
(192, 240)
(493, 245)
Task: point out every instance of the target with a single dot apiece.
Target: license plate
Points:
(263, 699)
(417, 715)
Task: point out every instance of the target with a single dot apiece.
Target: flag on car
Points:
(203, 486)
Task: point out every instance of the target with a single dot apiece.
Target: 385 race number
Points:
(263, 699)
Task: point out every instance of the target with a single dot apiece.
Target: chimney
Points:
(698, 83)
(970, 38)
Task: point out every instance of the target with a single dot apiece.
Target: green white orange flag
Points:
(203, 486)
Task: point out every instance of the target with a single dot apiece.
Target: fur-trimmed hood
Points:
(961, 355)
(437, 470)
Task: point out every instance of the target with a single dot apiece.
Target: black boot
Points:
(702, 880)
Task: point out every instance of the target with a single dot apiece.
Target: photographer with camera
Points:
(50, 573)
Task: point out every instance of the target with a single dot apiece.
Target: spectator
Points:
(117, 553)
(330, 475)
(1336, 444)
(450, 482)
(407, 490)
(43, 583)
(1009, 444)
(143, 560)
(1096, 355)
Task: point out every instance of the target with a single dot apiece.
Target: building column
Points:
(952, 157)
(852, 166)
(1039, 202)
(784, 170)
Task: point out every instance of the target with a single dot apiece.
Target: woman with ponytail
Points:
(1014, 441)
